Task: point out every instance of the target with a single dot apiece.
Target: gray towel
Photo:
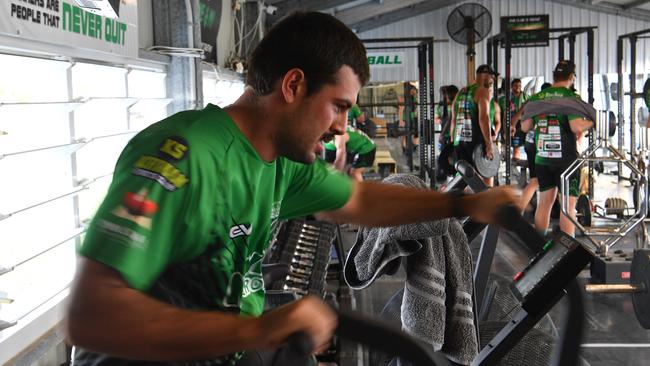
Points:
(437, 302)
(559, 106)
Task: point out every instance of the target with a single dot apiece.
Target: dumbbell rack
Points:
(610, 234)
(304, 245)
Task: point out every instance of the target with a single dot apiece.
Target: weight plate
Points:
(583, 210)
(640, 276)
(642, 116)
(484, 166)
(612, 124)
(613, 91)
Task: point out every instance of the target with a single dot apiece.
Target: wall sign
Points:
(63, 22)
(386, 59)
(526, 30)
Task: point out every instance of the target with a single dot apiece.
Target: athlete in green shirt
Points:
(355, 115)
(355, 149)
(472, 118)
(169, 270)
(517, 99)
(555, 139)
(410, 99)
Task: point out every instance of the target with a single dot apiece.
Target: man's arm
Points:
(527, 125)
(497, 119)
(452, 121)
(361, 118)
(516, 117)
(377, 204)
(483, 103)
(341, 153)
(579, 125)
(106, 315)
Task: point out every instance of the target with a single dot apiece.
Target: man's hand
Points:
(489, 153)
(309, 315)
(482, 207)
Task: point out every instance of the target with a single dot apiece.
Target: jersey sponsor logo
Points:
(137, 208)
(174, 147)
(240, 229)
(243, 285)
(161, 171)
(123, 233)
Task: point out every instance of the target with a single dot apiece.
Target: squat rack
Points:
(426, 98)
(569, 35)
(632, 38)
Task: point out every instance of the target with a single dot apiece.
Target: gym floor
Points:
(612, 335)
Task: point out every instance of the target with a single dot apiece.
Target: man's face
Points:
(485, 79)
(516, 88)
(318, 117)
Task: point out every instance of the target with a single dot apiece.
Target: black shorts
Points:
(464, 152)
(365, 160)
(549, 176)
(357, 161)
(518, 139)
(530, 156)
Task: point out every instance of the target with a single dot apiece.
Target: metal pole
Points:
(572, 48)
(560, 47)
(408, 108)
(489, 50)
(621, 117)
(508, 118)
(495, 50)
(433, 155)
(590, 92)
(632, 98)
(424, 139)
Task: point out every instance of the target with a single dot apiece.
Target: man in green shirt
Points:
(355, 149)
(555, 139)
(355, 116)
(472, 118)
(169, 270)
(517, 99)
(410, 99)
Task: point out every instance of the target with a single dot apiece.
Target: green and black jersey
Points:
(467, 131)
(190, 211)
(354, 113)
(515, 104)
(358, 142)
(554, 140)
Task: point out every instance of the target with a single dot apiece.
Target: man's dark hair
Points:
(546, 85)
(317, 43)
(452, 90)
(563, 70)
(512, 83)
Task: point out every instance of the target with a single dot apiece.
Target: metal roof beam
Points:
(400, 14)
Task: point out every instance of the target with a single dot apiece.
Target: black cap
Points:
(485, 69)
(565, 68)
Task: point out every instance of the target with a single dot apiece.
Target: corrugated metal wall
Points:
(450, 57)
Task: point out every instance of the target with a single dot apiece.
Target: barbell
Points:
(639, 286)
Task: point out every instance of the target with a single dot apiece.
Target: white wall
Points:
(145, 24)
(450, 58)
